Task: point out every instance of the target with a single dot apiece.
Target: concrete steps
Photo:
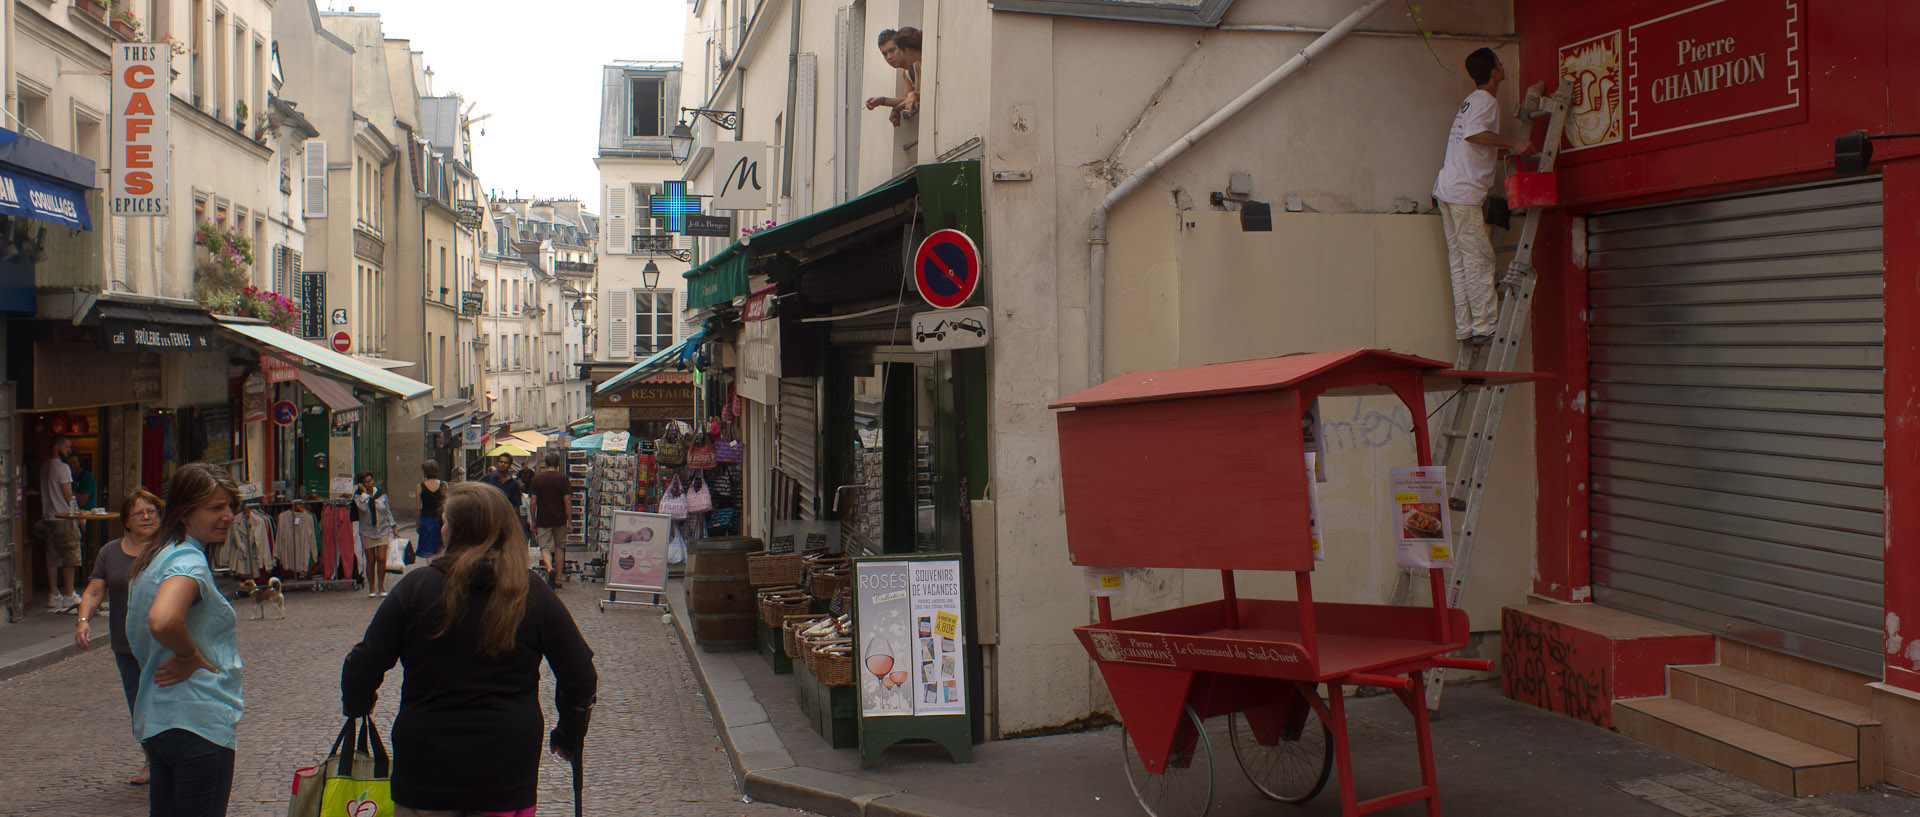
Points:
(1789, 724)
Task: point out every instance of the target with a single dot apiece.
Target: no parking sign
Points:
(946, 269)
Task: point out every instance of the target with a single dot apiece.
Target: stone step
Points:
(1838, 726)
(1765, 757)
(1578, 659)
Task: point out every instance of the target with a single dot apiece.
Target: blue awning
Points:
(40, 181)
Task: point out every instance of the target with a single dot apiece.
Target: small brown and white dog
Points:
(262, 596)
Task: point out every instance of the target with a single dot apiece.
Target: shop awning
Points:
(40, 181)
(724, 276)
(339, 398)
(533, 440)
(508, 449)
(659, 362)
(416, 397)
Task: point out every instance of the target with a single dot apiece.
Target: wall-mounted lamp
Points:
(1852, 152)
(650, 275)
(680, 139)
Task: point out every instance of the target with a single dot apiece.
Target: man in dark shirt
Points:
(551, 513)
(502, 477)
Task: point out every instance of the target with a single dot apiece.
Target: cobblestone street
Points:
(652, 749)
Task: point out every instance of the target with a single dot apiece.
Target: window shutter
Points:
(316, 203)
(619, 325)
(618, 234)
(281, 284)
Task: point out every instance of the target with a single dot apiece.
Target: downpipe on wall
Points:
(1097, 230)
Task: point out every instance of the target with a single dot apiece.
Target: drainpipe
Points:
(1097, 231)
(793, 91)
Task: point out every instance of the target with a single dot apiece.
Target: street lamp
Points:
(650, 275)
(680, 139)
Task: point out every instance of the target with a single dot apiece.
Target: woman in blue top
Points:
(186, 637)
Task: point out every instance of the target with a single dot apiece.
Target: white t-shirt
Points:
(1468, 170)
(53, 500)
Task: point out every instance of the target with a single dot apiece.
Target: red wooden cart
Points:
(1204, 468)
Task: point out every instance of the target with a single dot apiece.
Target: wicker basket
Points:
(824, 585)
(790, 629)
(831, 668)
(764, 569)
(779, 602)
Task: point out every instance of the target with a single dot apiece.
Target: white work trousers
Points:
(1470, 261)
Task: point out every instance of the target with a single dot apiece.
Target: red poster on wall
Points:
(1694, 71)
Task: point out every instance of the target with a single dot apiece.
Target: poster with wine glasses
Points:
(637, 550)
(911, 640)
(886, 639)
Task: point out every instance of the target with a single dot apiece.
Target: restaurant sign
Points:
(1704, 71)
(674, 395)
(126, 335)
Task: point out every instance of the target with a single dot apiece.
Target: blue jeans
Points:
(129, 675)
(191, 777)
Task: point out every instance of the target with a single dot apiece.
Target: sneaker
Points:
(1477, 339)
(73, 603)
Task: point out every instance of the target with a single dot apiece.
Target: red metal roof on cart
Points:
(1265, 374)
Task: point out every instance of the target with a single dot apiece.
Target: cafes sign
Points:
(126, 335)
(1698, 72)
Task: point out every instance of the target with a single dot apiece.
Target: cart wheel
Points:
(1185, 787)
(1290, 771)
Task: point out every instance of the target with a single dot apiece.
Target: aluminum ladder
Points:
(1469, 421)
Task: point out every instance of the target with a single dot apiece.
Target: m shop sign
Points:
(142, 74)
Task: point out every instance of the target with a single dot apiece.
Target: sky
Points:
(535, 67)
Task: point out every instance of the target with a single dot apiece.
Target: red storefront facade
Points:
(1690, 108)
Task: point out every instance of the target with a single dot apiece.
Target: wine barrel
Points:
(720, 601)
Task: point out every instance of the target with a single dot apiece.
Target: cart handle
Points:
(1474, 664)
(1361, 679)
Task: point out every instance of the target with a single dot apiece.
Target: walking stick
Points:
(579, 780)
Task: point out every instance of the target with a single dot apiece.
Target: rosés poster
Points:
(913, 658)
(637, 553)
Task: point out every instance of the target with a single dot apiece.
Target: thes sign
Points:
(130, 335)
(1704, 71)
(138, 181)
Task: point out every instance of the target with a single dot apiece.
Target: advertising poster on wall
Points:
(637, 552)
(1421, 522)
(887, 647)
(939, 679)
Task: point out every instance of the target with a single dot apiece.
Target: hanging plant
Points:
(272, 308)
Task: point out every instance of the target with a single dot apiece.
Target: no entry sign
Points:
(342, 342)
(947, 269)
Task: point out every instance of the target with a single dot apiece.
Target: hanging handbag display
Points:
(700, 454)
(700, 499)
(671, 450)
(673, 502)
(352, 780)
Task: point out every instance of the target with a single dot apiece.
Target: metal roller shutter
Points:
(1737, 417)
(798, 430)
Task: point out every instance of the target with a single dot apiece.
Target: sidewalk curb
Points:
(27, 659)
(762, 764)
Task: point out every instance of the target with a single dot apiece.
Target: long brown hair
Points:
(191, 487)
(482, 533)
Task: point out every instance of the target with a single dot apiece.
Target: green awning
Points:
(659, 362)
(724, 276)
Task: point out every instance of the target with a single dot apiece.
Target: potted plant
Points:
(240, 115)
(97, 9)
(125, 24)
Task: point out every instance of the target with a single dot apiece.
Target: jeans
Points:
(191, 777)
(129, 675)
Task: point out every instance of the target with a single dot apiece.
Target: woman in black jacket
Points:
(471, 628)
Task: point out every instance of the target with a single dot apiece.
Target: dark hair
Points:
(138, 495)
(431, 469)
(553, 459)
(1480, 65)
(907, 37)
(58, 439)
(483, 533)
(363, 476)
(194, 485)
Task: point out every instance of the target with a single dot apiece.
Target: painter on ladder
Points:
(1473, 145)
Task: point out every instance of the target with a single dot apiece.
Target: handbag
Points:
(699, 500)
(351, 782)
(674, 501)
(671, 450)
(729, 449)
(676, 547)
(397, 556)
(700, 454)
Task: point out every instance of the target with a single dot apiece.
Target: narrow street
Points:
(652, 748)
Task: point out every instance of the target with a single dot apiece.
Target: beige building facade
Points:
(1059, 110)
